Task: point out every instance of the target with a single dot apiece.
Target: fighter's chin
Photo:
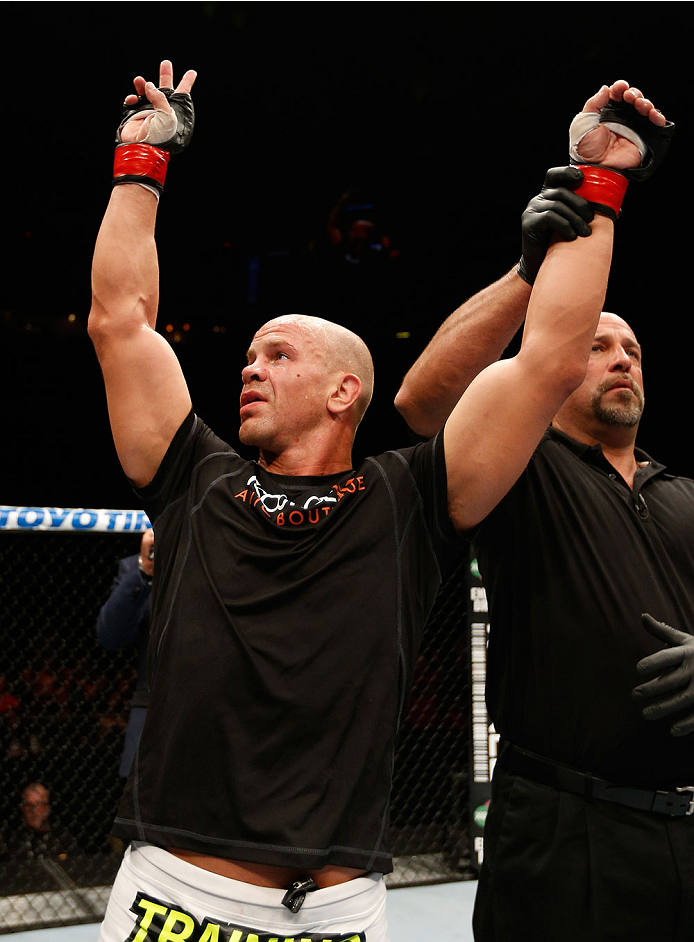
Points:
(246, 436)
(251, 434)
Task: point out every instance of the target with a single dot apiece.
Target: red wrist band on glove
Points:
(140, 163)
(603, 188)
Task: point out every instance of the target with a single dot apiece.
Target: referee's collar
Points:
(593, 453)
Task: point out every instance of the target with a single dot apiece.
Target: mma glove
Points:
(672, 689)
(556, 212)
(605, 187)
(146, 161)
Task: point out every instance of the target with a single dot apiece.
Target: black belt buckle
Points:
(294, 898)
(688, 789)
(679, 802)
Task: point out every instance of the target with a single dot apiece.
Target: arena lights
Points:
(181, 333)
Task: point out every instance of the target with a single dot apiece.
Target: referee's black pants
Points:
(558, 868)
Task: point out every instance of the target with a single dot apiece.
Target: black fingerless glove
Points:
(147, 161)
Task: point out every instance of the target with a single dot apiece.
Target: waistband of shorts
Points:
(153, 862)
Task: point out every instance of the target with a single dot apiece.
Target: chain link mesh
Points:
(429, 813)
(64, 703)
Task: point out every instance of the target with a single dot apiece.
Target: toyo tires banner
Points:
(79, 519)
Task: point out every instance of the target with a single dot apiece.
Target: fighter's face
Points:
(285, 386)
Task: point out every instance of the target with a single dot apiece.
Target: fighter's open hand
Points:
(600, 144)
(672, 690)
(158, 123)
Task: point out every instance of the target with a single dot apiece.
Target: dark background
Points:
(447, 114)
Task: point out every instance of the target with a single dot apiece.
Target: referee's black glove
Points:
(556, 212)
(672, 689)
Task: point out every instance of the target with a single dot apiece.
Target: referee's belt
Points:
(527, 764)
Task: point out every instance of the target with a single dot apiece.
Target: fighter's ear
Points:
(343, 396)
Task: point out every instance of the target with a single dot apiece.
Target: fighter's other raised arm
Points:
(478, 332)
(493, 430)
(145, 388)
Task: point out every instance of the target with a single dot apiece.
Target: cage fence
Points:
(64, 706)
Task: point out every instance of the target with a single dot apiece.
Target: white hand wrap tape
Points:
(588, 120)
(157, 126)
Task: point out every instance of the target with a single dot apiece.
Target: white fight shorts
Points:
(157, 897)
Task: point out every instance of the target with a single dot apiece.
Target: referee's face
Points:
(615, 370)
(611, 394)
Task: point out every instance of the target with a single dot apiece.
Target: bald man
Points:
(291, 591)
(590, 832)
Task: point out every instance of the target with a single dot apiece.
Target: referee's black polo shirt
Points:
(570, 559)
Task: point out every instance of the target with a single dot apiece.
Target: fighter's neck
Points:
(302, 463)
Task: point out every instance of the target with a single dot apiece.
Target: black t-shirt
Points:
(286, 617)
(570, 559)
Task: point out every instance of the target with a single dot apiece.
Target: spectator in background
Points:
(356, 272)
(36, 847)
(123, 622)
(9, 701)
(10, 707)
(353, 229)
(38, 834)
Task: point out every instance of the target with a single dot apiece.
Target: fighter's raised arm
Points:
(495, 427)
(477, 333)
(145, 388)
